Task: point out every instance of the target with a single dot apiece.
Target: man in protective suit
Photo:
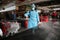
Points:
(33, 18)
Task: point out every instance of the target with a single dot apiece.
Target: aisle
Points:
(47, 31)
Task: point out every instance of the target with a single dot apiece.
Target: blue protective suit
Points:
(34, 18)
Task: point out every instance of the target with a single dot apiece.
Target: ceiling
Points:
(47, 3)
(42, 2)
(3, 2)
(39, 2)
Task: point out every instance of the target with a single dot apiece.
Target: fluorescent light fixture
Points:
(9, 9)
(56, 8)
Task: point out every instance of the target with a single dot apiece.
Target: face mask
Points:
(33, 8)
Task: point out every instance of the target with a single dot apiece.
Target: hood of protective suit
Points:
(33, 6)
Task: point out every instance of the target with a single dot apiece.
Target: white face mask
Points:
(33, 8)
